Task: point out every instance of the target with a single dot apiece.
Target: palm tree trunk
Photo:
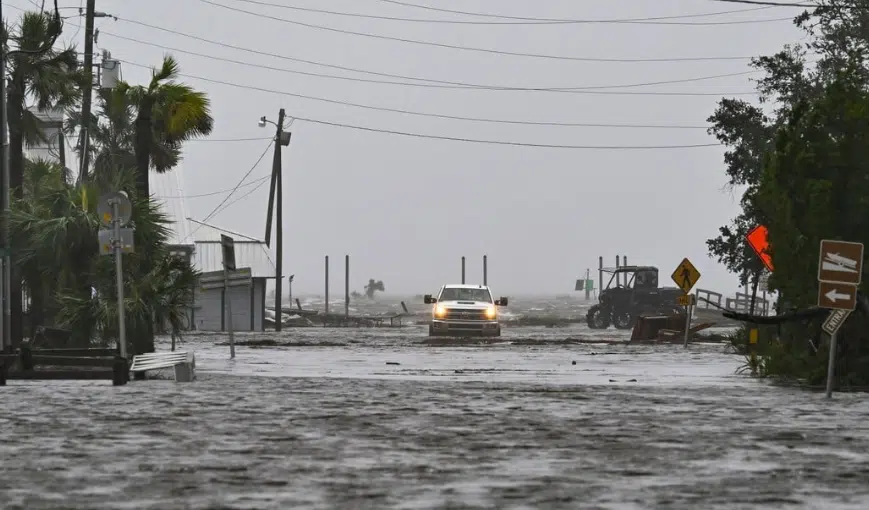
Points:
(143, 138)
(15, 113)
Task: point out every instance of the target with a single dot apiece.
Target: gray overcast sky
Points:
(406, 209)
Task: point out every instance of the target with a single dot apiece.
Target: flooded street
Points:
(379, 419)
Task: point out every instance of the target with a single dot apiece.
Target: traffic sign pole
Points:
(840, 273)
(685, 276)
(119, 269)
(228, 251)
(831, 365)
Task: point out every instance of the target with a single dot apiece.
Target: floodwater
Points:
(383, 419)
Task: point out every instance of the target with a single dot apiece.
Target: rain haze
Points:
(406, 208)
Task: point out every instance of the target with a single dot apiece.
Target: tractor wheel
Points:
(623, 319)
(597, 318)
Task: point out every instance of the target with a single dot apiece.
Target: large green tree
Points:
(798, 156)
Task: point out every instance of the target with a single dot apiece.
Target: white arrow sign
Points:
(834, 296)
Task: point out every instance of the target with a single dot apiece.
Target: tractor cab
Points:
(631, 277)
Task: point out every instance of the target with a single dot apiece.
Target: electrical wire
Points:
(769, 4)
(383, 108)
(568, 90)
(399, 76)
(260, 138)
(234, 189)
(435, 137)
(471, 48)
(213, 193)
(522, 18)
(239, 199)
(514, 21)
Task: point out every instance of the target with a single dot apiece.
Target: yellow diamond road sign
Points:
(686, 276)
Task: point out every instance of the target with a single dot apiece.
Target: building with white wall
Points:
(201, 242)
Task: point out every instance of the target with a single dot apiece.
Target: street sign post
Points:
(837, 296)
(688, 300)
(241, 277)
(840, 272)
(227, 245)
(685, 276)
(834, 321)
(758, 240)
(840, 262)
(116, 210)
(107, 212)
(763, 282)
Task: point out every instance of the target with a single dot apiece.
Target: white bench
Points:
(184, 364)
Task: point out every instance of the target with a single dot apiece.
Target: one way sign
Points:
(837, 296)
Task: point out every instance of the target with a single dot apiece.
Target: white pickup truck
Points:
(464, 310)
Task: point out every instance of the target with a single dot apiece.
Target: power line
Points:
(239, 199)
(237, 186)
(758, 2)
(513, 20)
(572, 90)
(213, 193)
(437, 137)
(381, 108)
(399, 76)
(638, 21)
(472, 48)
(229, 139)
(225, 231)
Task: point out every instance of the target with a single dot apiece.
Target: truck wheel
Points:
(597, 318)
(498, 331)
(431, 331)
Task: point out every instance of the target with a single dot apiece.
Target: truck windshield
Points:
(454, 294)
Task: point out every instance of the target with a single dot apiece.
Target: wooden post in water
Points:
(599, 275)
(346, 286)
(327, 291)
(485, 270)
(618, 258)
(463, 270)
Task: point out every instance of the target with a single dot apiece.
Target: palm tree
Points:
(111, 132)
(145, 127)
(168, 114)
(51, 80)
(158, 285)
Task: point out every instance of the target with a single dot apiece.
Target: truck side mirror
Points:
(429, 300)
(501, 302)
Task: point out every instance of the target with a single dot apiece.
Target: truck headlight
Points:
(491, 312)
(440, 311)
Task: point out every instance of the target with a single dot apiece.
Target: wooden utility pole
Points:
(87, 92)
(276, 194)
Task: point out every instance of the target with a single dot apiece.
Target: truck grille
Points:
(465, 315)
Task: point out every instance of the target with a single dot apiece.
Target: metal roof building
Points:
(201, 242)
